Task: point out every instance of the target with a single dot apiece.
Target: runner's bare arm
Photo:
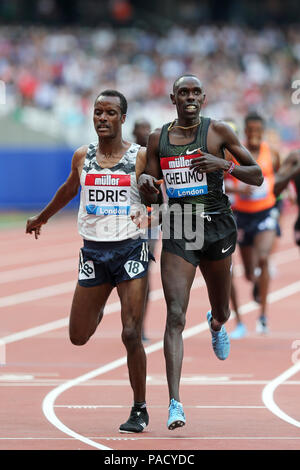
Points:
(275, 159)
(288, 170)
(247, 171)
(151, 178)
(141, 162)
(66, 192)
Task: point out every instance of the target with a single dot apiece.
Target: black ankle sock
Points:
(141, 404)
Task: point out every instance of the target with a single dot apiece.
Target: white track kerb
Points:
(268, 394)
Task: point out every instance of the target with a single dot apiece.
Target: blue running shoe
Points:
(262, 326)
(220, 340)
(239, 332)
(176, 415)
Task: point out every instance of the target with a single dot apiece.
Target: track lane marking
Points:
(49, 400)
(268, 394)
(44, 253)
(111, 438)
(67, 287)
(70, 264)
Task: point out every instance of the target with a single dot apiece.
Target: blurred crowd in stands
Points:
(52, 76)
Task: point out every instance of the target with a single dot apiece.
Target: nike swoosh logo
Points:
(224, 250)
(189, 152)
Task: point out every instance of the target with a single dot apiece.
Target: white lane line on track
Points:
(38, 270)
(37, 294)
(268, 394)
(54, 325)
(156, 294)
(67, 287)
(48, 252)
(49, 400)
(111, 438)
(70, 264)
(163, 407)
(109, 383)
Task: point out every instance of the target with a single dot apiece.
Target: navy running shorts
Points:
(113, 262)
(250, 224)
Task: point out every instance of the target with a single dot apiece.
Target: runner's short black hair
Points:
(254, 116)
(175, 84)
(123, 101)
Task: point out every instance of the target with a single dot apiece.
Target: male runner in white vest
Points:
(114, 254)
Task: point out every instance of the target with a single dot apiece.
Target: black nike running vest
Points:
(204, 189)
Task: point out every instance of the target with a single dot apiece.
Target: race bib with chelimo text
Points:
(107, 194)
(180, 180)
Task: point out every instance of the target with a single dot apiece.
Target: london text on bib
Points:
(107, 194)
(180, 180)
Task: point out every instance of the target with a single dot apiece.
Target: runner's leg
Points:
(249, 262)
(87, 311)
(263, 243)
(132, 295)
(177, 278)
(217, 276)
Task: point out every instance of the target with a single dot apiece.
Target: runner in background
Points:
(231, 189)
(257, 218)
(290, 171)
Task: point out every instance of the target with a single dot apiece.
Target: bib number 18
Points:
(133, 268)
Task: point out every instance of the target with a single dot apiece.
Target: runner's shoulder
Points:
(221, 127)
(155, 134)
(293, 156)
(80, 154)
(154, 138)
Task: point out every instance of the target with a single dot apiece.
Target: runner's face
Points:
(254, 131)
(188, 98)
(108, 118)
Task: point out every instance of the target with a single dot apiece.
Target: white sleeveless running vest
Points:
(107, 197)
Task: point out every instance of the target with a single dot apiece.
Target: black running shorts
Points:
(220, 235)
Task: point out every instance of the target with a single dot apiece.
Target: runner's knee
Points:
(78, 340)
(263, 259)
(221, 314)
(176, 317)
(80, 334)
(131, 336)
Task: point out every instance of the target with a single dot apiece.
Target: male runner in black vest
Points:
(189, 154)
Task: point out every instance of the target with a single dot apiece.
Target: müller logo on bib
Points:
(107, 194)
(180, 180)
(107, 180)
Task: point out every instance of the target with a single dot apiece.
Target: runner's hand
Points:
(141, 219)
(34, 225)
(148, 185)
(206, 163)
